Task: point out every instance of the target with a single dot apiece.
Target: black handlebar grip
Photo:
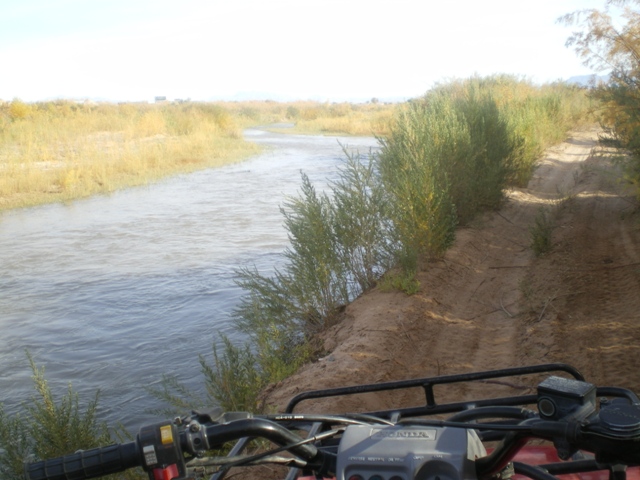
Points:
(87, 464)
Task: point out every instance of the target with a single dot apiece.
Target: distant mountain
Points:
(587, 80)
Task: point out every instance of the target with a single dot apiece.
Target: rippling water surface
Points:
(111, 292)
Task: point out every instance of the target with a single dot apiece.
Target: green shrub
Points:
(233, 382)
(541, 233)
(50, 428)
(318, 279)
(62, 428)
(451, 154)
(339, 247)
(15, 444)
(403, 280)
(361, 224)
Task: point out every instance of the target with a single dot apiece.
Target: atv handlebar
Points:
(92, 463)
(157, 449)
(357, 446)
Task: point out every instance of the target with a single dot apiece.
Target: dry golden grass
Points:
(59, 151)
(363, 119)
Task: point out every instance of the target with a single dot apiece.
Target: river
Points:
(113, 291)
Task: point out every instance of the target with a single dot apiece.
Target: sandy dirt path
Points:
(491, 303)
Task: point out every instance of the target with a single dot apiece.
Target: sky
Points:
(328, 50)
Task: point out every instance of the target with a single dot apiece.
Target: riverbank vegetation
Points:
(51, 427)
(364, 119)
(449, 155)
(59, 151)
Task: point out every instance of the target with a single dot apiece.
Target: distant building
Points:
(160, 99)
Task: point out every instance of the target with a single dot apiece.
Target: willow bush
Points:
(416, 186)
(340, 245)
(452, 153)
(313, 283)
(448, 156)
(367, 243)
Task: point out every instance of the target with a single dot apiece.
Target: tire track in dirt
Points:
(505, 239)
(490, 303)
(596, 318)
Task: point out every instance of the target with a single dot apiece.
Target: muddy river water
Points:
(114, 291)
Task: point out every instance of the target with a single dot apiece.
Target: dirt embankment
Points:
(491, 303)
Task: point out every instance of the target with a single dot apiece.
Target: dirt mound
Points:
(491, 303)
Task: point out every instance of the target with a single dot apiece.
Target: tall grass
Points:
(57, 151)
(308, 117)
(60, 151)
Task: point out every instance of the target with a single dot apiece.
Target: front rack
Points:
(431, 407)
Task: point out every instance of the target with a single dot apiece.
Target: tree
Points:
(609, 40)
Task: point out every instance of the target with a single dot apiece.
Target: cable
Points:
(468, 426)
(347, 419)
(253, 458)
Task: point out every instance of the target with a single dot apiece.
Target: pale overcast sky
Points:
(132, 50)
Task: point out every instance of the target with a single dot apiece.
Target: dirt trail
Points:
(490, 303)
